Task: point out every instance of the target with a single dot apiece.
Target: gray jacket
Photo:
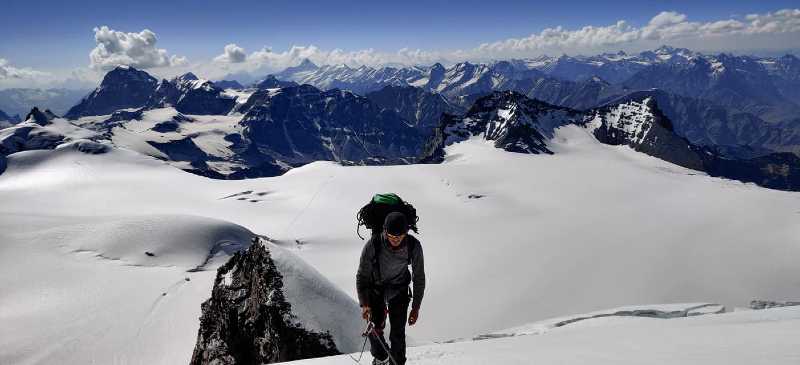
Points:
(394, 275)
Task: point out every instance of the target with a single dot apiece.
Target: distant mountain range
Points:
(19, 101)
(746, 101)
(403, 115)
(763, 86)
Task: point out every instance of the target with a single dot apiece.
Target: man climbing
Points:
(383, 281)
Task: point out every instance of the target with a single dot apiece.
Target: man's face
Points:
(395, 240)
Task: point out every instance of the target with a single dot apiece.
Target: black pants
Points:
(398, 310)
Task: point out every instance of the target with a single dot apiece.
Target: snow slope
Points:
(749, 337)
(508, 238)
(122, 287)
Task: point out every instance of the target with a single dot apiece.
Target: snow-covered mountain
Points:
(516, 123)
(279, 129)
(272, 132)
(732, 132)
(128, 88)
(737, 82)
(589, 227)
(762, 86)
(510, 120)
(613, 67)
(191, 95)
(41, 130)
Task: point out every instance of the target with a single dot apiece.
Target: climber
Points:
(383, 282)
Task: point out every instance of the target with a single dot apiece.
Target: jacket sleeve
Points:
(364, 274)
(418, 276)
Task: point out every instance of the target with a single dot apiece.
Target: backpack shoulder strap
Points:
(412, 247)
(376, 252)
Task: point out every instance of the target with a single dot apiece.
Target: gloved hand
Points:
(412, 317)
(365, 312)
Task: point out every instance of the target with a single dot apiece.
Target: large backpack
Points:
(374, 213)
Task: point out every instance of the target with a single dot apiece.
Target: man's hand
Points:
(365, 311)
(412, 317)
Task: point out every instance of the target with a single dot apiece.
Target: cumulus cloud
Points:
(12, 76)
(232, 54)
(666, 26)
(267, 58)
(138, 50)
(743, 33)
(7, 71)
(772, 31)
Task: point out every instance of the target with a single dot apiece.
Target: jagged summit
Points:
(514, 122)
(187, 77)
(248, 319)
(271, 82)
(39, 117)
(121, 88)
(126, 74)
(305, 66)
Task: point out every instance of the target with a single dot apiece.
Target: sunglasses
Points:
(391, 236)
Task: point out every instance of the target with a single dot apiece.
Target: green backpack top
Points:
(374, 213)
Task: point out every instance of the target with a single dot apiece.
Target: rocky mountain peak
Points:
(248, 320)
(40, 117)
(121, 88)
(188, 77)
(125, 74)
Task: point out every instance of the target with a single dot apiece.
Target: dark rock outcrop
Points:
(270, 82)
(123, 87)
(415, 105)
(249, 321)
(229, 84)
(31, 134)
(40, 117)
(298, 125)
(766, 304)
(191, 95)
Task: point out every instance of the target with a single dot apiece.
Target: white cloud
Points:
(769, 32)
(782, 21)
(7, 71)
(667, 26)
(138, 50)
(745, 33)
(232, 54)
(267, 60)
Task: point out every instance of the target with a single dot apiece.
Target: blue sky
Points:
(58, 35)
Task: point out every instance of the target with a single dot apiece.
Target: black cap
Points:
(395, 224)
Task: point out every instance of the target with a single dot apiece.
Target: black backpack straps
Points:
(376, 262)
(412, 247)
